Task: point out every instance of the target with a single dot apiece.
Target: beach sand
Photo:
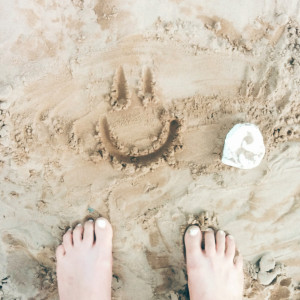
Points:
(120, 109)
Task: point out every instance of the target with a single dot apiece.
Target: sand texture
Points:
(120, 109)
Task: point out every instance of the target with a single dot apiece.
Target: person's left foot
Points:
(84, 262)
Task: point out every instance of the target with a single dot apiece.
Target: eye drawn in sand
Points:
(147, 91)
(119, 95)
(138, 131)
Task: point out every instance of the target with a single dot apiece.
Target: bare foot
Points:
(213, 273)
(84, 265)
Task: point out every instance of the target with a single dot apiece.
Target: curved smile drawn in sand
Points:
(140, 156)
(138, 130)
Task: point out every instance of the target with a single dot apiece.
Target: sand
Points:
(120, 109)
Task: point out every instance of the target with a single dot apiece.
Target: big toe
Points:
(104, 233)
(192, 240)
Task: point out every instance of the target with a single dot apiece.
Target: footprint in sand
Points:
(138, 131)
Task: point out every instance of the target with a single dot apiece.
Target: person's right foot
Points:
(213, 274)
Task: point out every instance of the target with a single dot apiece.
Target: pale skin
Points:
(84, 264)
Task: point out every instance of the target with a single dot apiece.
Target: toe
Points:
(239, 262)
(88, 233)
(60, 252)
(210, 244)
(104, 233)
(68, 240)
(220, 242)
(192, 241)
(230, 247)
(77, 234)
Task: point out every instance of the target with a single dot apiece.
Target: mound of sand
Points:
(120, 109)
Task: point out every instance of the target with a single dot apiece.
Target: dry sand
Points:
(120, 108)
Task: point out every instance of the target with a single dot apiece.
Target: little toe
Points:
(88, 233)
(220, 242)
(104, 233)
(77, 234)
(239, 262)
(230, 247)
(210, 244)
(192, 241)
(68, 240)
(60, 252)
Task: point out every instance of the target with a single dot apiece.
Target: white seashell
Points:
(244, 147)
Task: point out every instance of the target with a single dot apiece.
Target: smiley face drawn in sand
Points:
(138, 130)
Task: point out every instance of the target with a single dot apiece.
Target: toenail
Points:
(193, 230)
(230, 237)
(221, 232)
(209, 229)
(101, 222)
(78, 225)
(70, 229)
(90, 220)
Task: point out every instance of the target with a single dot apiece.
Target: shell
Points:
(244, 147)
